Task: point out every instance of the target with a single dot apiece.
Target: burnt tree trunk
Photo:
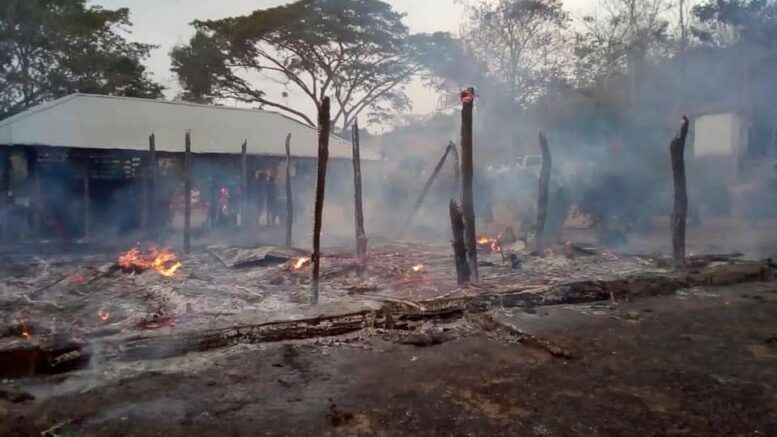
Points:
(289, 198)
(467, 176)
(427, 187)
(456, 167)
(151, 173)
(243, 185)
(680, 210)
(361, 235)
(459, 249)
(323, 157)
(542, 202)
(187, 192)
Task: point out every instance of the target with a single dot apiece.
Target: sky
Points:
(166, 23)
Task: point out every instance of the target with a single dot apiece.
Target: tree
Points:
(50, 48)
(520, 42)
(726, 22)
(356, 51)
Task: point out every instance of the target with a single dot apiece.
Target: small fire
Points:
(24, 330)
(103, 315)
(491, 243)
(300, 262)
(163, 260)
(419, 268)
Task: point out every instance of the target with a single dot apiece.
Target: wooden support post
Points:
(680, 211)
(467, 176)
(289, 194)
(151, 175)
(187, 192)
(542, 202)
(33, 179)
(5, 189)
(242, 207)
(323, 157)
(459, 249)
(361, 235)
(427, 187)
(87, 196)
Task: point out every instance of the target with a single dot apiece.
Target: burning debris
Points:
(160, 259)
(299, 263)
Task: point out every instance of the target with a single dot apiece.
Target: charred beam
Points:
(467, 176)
(542, 203)
(459, 249)
(151, 176)
(680, 210)
(187, 192)
(361, 235)
(428, 186)
(323, 157)
(289, 198)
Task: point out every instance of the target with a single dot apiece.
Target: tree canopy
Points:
(50, 48)
(359, 52)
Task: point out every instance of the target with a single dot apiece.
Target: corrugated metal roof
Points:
(109, 122)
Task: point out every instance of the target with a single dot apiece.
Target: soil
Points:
(700, 362)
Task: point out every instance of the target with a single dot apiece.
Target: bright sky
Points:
(166, 23)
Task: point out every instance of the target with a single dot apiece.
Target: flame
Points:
(300, 262)
(491, 243)
(24, 330)
(419, 268)
(163, 260)
(103, 315)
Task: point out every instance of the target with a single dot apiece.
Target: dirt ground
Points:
(701, 362)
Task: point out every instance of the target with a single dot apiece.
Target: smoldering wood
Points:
(491, 324)
(323, 157)
(467, 176)
(151, 176)
(428, 186)
(289, 194)
(187, 192)
(243, 184)
(361, 235)
(542, 202)
(459, 248)
(680, 210)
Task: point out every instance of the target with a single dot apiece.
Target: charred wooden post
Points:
(151, 176)
(361, 235)
(33, 179)
(323, 157)
(456, 167)
(243, 185)
(542, 202)
(428, 186)
(467, 176)
(680, 210)
(289, 198)
(5, 189)
(459, 249)
(187, 192)
(87, 196)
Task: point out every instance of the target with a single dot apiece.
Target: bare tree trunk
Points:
(542, 203)
(151, 173)
(428, 186)
(243, 185)
(680, 211)
(323, 157)
(289, 199)
(459, 249)
(361, 235)
(467, 176)
(187, 192)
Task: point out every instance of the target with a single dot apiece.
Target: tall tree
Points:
(357, 51)
(50, 48)
(520, 42)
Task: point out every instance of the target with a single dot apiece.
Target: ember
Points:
(163, 260)
(492, 244)
(103, 315)
(24, 330)
(419, 268)
(300, 262)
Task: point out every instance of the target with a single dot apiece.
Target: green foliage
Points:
(724, 22)
(50, 48)
(357, 51)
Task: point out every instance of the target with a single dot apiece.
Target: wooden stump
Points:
(467, 176)
(361, 235)
(680, 210)
(323, 157)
